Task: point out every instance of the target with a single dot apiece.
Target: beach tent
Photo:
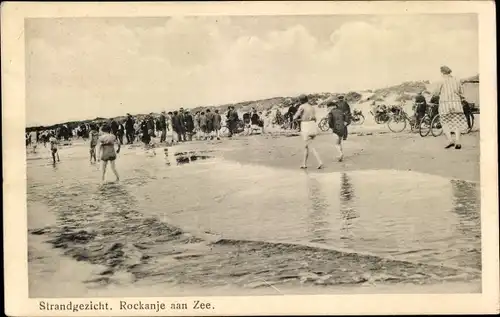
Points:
(471, 90)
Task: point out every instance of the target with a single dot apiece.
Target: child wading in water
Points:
(106, 151)
(53, 148)
(94, 136)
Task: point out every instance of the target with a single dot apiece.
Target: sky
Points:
(82, 68)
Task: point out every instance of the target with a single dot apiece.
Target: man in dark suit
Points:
(129, 128)
(163, 127)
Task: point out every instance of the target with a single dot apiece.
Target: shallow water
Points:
(407, 216)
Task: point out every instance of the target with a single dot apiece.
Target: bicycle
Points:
(436, 127)
(357, 117)
(381, 116)
(426, 122)
(401, 117)
(239, 127)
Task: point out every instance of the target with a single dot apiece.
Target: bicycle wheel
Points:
(358, 119)
(425, 126)
(323, 125)
(396, 123)
(436, 127)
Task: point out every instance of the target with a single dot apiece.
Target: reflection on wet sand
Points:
(347, 210)
(465, 199)
(116, 195)
(466, 205)
(319, 227)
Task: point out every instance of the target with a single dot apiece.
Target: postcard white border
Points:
(14, 171)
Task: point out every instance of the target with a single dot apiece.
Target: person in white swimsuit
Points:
(309, 128)
(53, 148)
(106, 151)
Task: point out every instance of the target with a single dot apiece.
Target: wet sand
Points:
(68, 277)
(375, 151)
(125, 253)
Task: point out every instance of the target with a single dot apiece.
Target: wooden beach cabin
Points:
(471, 91)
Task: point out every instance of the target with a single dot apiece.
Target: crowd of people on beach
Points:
(183, 126)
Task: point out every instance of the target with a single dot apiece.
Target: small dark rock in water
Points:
(187, 256)
(100, 280)
(238, 273)
(140, 246)
(115, 246)
(83, 236)
(39, 231)
(107, 272)
(113, 262)
(359, 279)
(81, 256)
(59, 245)
(131, 267)
(63, 239)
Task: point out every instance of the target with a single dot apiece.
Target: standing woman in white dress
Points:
(452, 117)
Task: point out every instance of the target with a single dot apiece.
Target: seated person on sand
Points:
(246, 122)
(278, 116)
(256, 124)
(420, 107)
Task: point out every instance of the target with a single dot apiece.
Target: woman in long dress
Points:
(450, 109)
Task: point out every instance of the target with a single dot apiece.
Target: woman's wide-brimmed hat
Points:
(445, 70)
